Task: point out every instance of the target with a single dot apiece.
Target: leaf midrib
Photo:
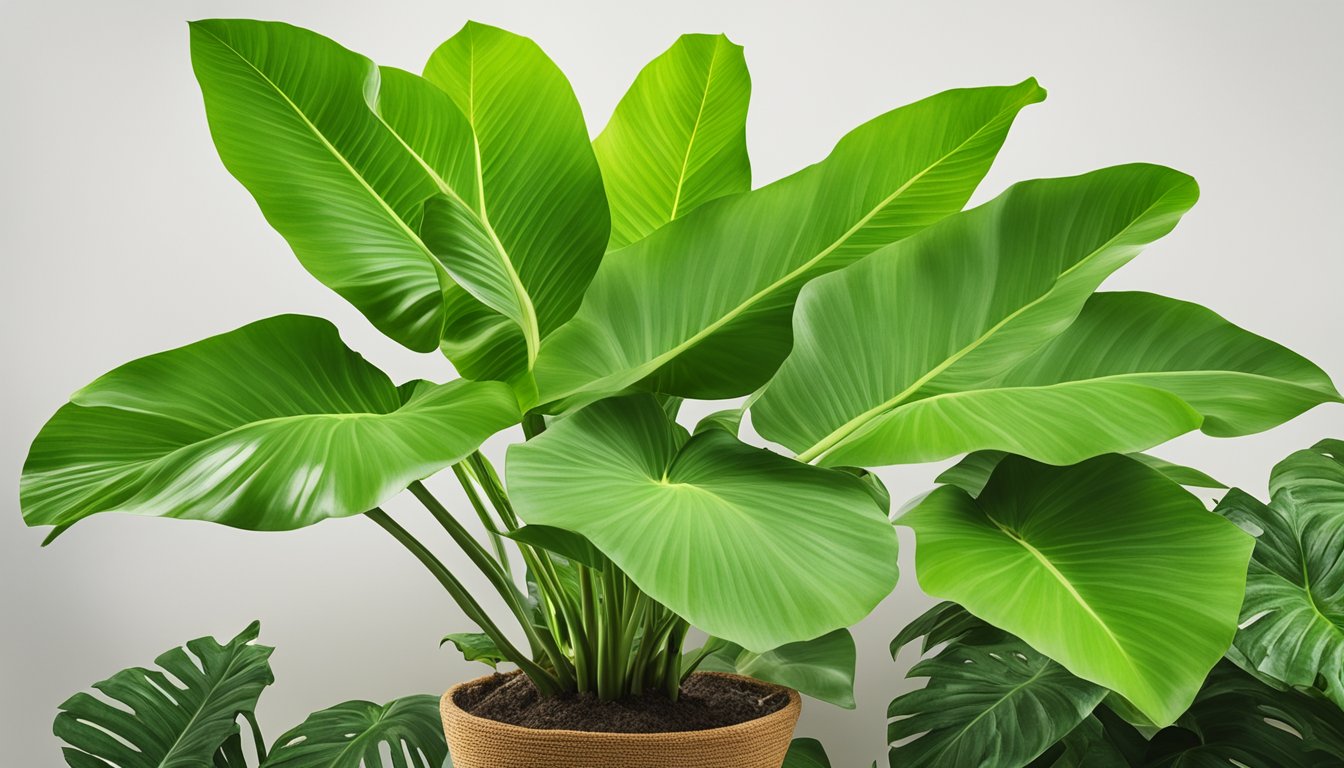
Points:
(1005, 697)
(855, 424)
(695, 129)
(640, 371)
(1068, 587)
(209, 694)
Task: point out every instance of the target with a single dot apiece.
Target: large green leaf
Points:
(355, 734)
(273, 426)
(728, 536)
(294, 118)
(176, 716)
(701, 307)
(1293, 617)
(1107, 567)
(678, 138)
(822, 668)
(991, 700)
(1238, 721)
(955, 306)
(972, 472)
(528, 243)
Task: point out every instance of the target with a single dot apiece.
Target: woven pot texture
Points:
(477, 742)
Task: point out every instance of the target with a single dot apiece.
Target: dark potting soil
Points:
(706, 701)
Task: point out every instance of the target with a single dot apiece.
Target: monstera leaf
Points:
(957, 352)
(1238, 721)
(711, 326)
(529, 237)
(678, 138)
(274, 426)
(723, 534)
(183, 714)
(1107, 567)
(822, 668)
(1293, 617)
(356, 734)
(806, 753)
(991, 699)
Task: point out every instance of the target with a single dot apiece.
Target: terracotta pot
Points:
(477, 742)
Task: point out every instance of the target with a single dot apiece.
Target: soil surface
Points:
(707, 701)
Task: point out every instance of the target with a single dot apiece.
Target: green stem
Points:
(496, 540)
(545, 681)
(258, 741)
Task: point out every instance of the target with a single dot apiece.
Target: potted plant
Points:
(583, 290)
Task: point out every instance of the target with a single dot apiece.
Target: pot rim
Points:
(791, 710)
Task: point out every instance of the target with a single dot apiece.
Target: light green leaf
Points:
(528, 243)
(355, 734)
(296, 120)
(274, 426)
(806, 753)
(720, 532)
(714, 290)
(971, 473)
(822, 668)
(991, 699)
(567, 544)
(1107, 567)
(1293, 617)
(678, 137)
(184, 714)
(957, 305)
(475, 646)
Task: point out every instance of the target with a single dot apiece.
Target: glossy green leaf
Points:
(295, 119)
(991, 699)
(475, 646)
(678, 137)
(957, 305)
(972, 472)
(1090, 745)
(806, 753)
(178, 715)
(718, 531)
(528, 243)
(566, 544)
(714, 290)
(273, 426)
(822, 668)
(1134, 370)
(1237, 721)
(1107, 567)
(355, 734)
(1293, 618)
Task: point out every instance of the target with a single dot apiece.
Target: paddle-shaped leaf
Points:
(475, 646)
(714, 290)
(990, 699)
(678, 137)
(822, 668)
(957, 305)
(293, 117)
(1293, 617)
(718, 531)
(355, 734)
(178, 715)
(273, 426)
(1107, 567)
(528, 242)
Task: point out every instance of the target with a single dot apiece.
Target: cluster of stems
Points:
(588, 629)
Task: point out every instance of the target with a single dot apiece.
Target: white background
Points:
(123, 235)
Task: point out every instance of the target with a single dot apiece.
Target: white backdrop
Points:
(123, 235)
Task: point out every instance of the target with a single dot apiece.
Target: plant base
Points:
(477, 742)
